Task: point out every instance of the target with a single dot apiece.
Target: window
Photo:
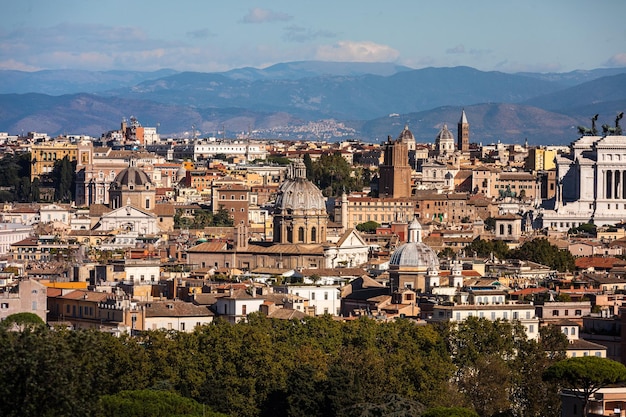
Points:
(312, 296)
(182, 327)
(301, 234)
(578, 312)
(566, 312)
(598, 354)
(326, 296)
(555, 313)
(6, 305)
(34, 305)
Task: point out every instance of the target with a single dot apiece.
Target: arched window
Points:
(501, 229)
(313, 234)
(290, 235)
(301, 234)
(510, 229)
(566, 331)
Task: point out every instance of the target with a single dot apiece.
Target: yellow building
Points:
(353, 210)
(540, 159)
(44, 155)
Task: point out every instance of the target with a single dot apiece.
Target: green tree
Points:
(586, 375)
(368, 227)
(222, 218)
(446, 253)
(332, 174)
(308, 163)
(486, 248)
(151, 403)
(490, 223)
(541, 251)
(21, 321)
(278, 160)
(63, 177)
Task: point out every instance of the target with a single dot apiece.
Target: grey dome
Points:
(298, 193)
(445, 134)
(406, 135)
(415, 254)
(131, 176)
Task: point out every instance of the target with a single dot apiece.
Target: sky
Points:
(212, 36)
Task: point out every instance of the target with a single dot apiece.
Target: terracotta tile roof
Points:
(580, 344)
(286, 314)
(529, 291)
(176, 309)
(29, 241)
(97, 210)
(164, 209)
(86, 295)
(53, 292)
(597, 262)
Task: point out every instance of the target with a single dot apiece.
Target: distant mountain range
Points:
(371, 100)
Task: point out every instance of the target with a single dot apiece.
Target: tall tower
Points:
(463, 133)
(395, 172)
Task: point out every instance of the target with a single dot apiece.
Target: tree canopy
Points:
(332, 174)
(586, 375)
(265, 367)
(368, 227)
(543, 252)
(15, 175)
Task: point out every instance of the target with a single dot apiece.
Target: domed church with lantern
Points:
(300, 211)
(300, 222)
(414, 265)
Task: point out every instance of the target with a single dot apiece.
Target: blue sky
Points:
(207, 36)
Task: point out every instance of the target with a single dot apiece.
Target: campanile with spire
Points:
(463, 133)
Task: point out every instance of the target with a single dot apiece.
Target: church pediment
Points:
(351, 238)
(127, 211)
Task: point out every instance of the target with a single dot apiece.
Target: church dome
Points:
(406, 135)
(415, 253)
(444, 134)
(298, 193)
(131, 176)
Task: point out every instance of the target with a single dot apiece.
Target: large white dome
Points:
(298, 193)
(415, 253)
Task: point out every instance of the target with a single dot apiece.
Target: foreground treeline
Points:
(317, 367)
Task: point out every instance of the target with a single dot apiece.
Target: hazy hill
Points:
(545, 108)
(57, 82)
(344, 97)
(489, 123)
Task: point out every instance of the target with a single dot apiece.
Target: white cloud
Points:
(258, 15)
(617, 60)
(351, 51)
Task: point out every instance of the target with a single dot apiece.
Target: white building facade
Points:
(591, 184)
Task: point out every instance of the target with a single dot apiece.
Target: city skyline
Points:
(557, 36)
